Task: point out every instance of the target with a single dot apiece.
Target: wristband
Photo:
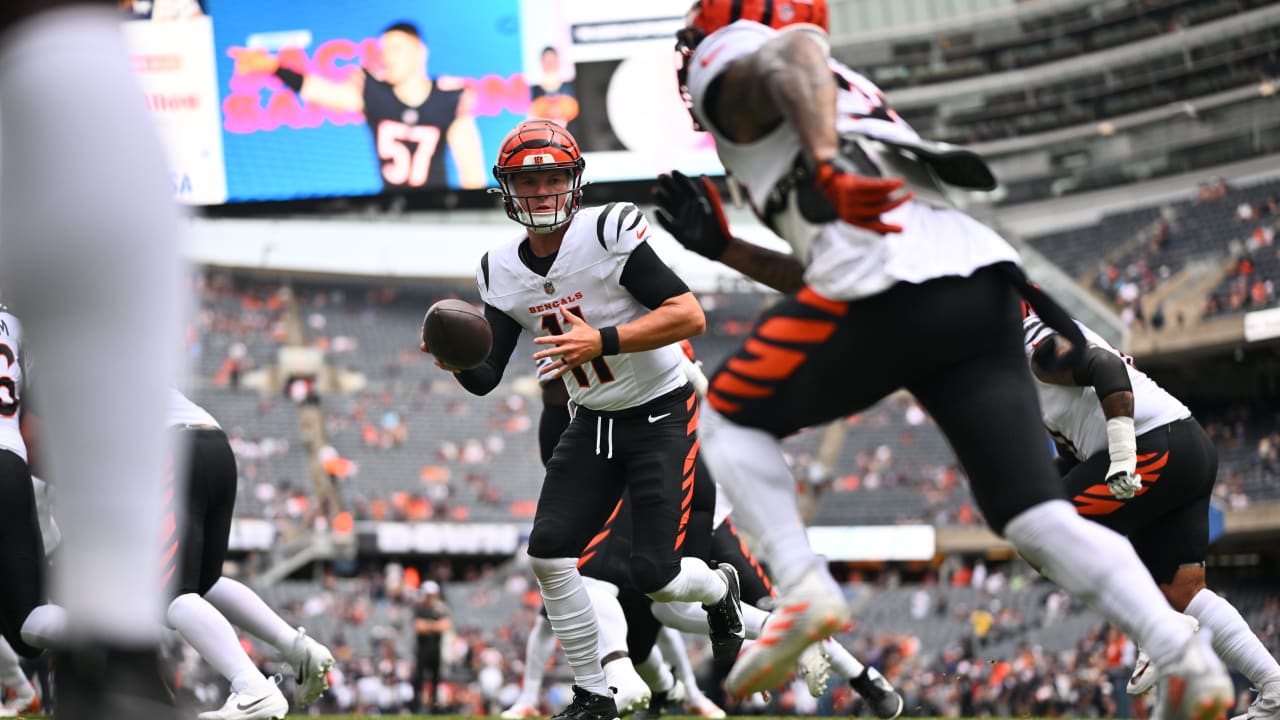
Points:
(1122, 443)
(291, 78)
(609, 343)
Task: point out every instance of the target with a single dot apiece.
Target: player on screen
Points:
(412, 116)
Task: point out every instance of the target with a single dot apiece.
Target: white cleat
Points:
(808, 613)
(1145, 673)
(260, 701)
(311, 663)
(521, 710)
(24, 700)
(815, 669)
(630, 692)
(1144, 677)
(703, 707)
(1266, 706)
(1196, 687)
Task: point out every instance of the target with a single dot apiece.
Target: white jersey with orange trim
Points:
(843, 262)
(586, 280)
(11, 384)
(182, 411)
(1073, 414)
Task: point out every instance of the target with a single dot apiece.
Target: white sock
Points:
(675, 652)
(656, 673)
(206, 630)
(11, 675)
(573, 619)
(45, 627)
(695, 583)
(691, 618)
(242, 606)
(1233, 640)
(537, 654)
(748, 465)
(91, 248)
(1101, 568)
(613, 622)
(842, 661)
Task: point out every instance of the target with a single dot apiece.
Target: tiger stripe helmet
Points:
(536, 145)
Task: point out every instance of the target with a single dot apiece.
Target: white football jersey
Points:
(843, 262)
(1073, 414)
(11, 384)
(585, 279)
(182, 411)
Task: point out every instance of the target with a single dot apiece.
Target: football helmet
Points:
(708, 16)
(537, 145)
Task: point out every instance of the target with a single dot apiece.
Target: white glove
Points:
(1122, 446)
(544, 369)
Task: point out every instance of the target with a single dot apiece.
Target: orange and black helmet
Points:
(536, 145)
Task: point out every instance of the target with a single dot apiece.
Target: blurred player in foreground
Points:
(89, 248)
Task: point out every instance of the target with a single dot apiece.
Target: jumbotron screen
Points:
(280, 101)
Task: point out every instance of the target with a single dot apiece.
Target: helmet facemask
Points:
(566, 201)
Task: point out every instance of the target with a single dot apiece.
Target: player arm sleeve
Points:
(483, 379)
(1108, 375)
(649, 280)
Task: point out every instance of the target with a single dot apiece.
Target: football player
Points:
(586, 283)
(1137, 462)
(888, 285)
(205, 604)
(91, 240)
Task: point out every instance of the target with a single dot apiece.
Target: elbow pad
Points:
(1105, 372)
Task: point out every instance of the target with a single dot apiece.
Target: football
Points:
(457, 334)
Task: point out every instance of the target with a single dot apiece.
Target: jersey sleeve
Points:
(1034, 332)
(621, 228)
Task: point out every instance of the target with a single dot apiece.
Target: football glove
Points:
(1122, 446)
(858, 199)
(692, 212)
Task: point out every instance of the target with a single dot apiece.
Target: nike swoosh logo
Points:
(242, 707)
(653, 419)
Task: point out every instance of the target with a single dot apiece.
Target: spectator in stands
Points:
(430, 623)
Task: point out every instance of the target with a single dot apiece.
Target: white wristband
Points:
(1122, 445)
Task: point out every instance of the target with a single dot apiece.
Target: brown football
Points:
(457, 333)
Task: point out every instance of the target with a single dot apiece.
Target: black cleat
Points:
(587, 705)
(725, 621)
(666, 702)
(885, 702)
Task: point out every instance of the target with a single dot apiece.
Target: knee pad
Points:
(548, 539)
(648, 577)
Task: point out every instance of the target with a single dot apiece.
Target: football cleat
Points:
(21, 700)
(724, 619)
(809, 612)
(630, 693)
(521, 710)
(587, 705)
(885, 702)
(1264, 707)
(262, 700)
(1196, 687)
(815, 669)
(311, 663)
(1144, 677)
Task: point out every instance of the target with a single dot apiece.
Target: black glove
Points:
(692, 212)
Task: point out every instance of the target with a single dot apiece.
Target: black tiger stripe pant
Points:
(954, 342)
